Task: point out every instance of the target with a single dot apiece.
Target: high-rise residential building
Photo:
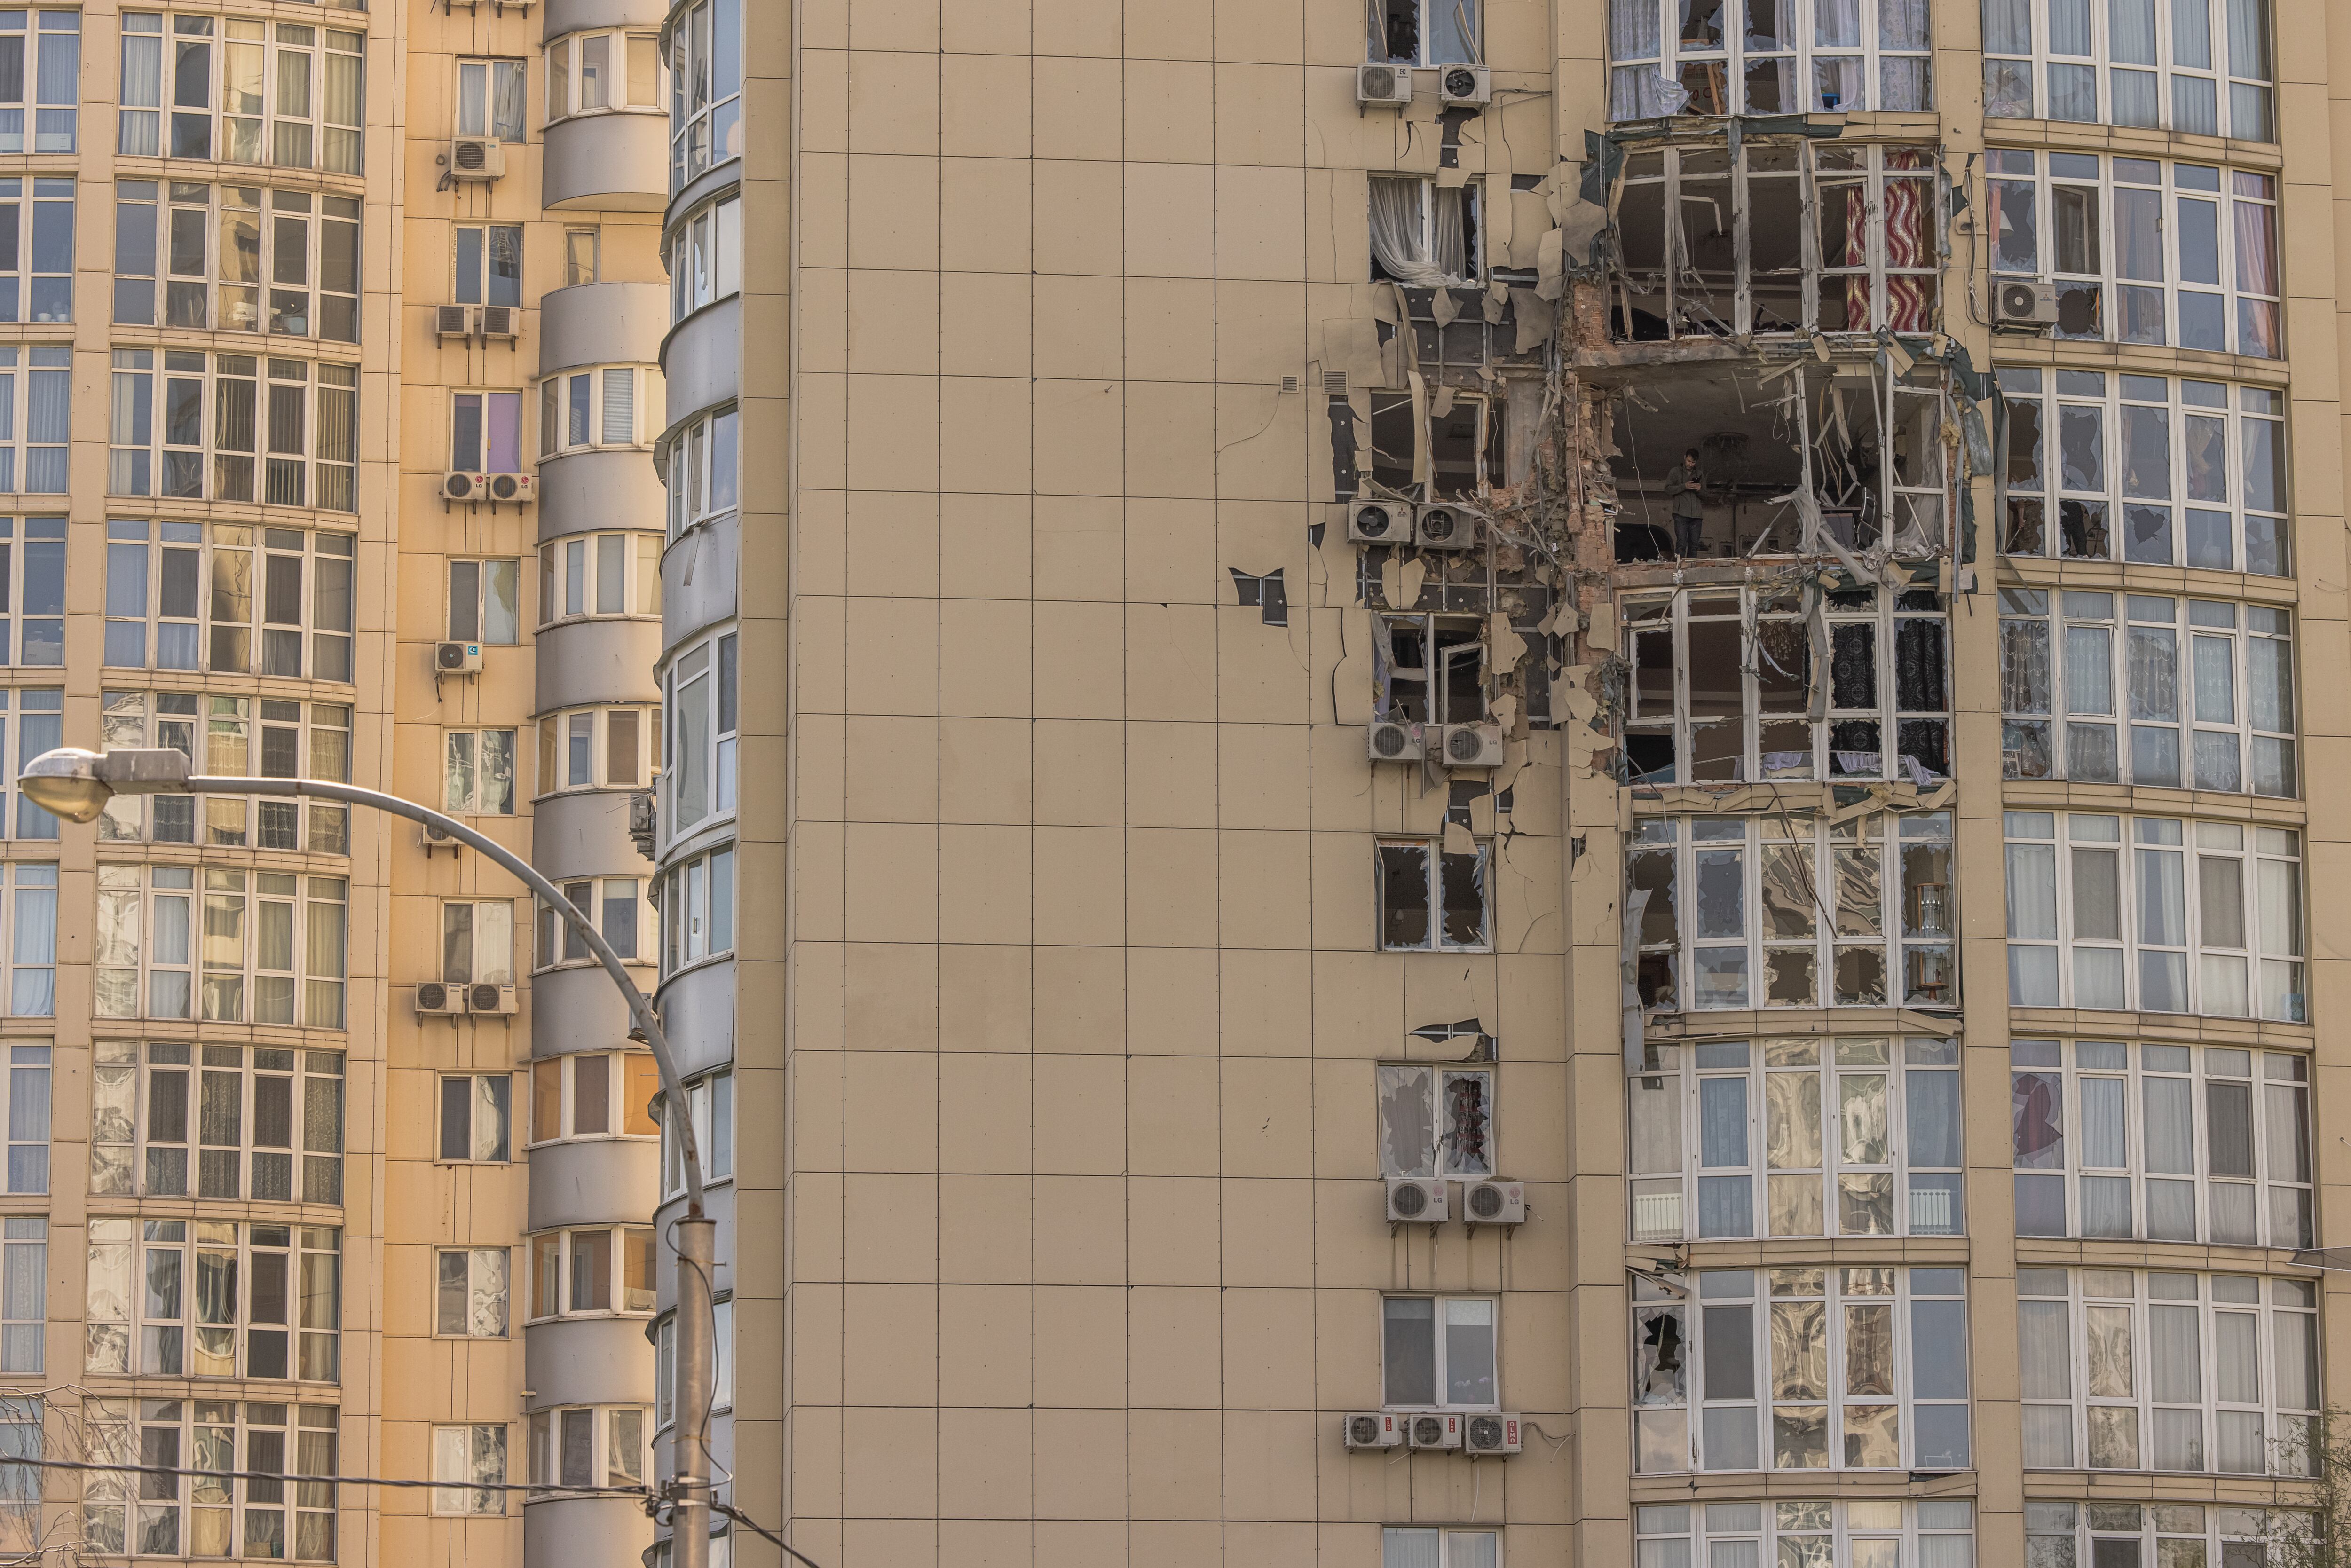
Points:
(1446, 786)
(1704, 610)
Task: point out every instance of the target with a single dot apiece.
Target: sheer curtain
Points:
(1396, 237)
(33, 984)
(1452, 244)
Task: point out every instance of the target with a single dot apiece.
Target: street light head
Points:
(65, 782)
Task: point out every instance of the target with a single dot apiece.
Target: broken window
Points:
(2142, 698)
(1424, 234)
(2179, 262)
(1433, 898)
(2125, 1370)
(1797, 1138)
(1435, 1121)
(1767, 56)
(469, 1466)
(470, 1292)
(2216, 56)
(1425, 33)
(1807, 1369)
(1742, 685)
(2101, 913)
(1463, 439)
(1429, 669)
(2162, 1142)
(2143, 468)
(1789, 911)
(1437, 1352)
(1715, 244)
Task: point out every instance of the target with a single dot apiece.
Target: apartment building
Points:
(332, 392)
(1507, 782)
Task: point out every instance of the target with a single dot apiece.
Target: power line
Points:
(745, 1520)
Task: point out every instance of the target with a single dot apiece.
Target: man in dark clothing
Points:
(1686, 483)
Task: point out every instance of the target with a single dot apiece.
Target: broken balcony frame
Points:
(1742, 685)
(1463, 436)
(1446, 681)
(1790, 911)
(1785, 57)
(1776, 235)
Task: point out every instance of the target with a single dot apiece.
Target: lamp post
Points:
(77, 784)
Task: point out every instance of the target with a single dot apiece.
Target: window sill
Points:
(609, 110)
(2135, 140)
(622, 619)
(1743, 1486)
(582, 1139)
(1781, 794)
(2149, 358)
(703, 963)
(2081, 1251)
(1760, 1252)
(645, 1316)
(2154, 800)
(2073, 571)
(638, 447)
(1734, 1023)
(2186, 1028)
(588, 965)
(214, 170)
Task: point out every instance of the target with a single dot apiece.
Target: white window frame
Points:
(1667, 1145)
(1437, 38)
(1773, 1302)
(1917, 928)
(628, 1076)
(291, 240)
(705, 257)
(283, 74)
(141, 1092)
(34, 439)
(493, 77)
(30, 915)
(2269, 1203)
(54, 129)
(486, 1274)
(1747, 613)
(2176, 199)
(167, 594)
(1438, 1547)
(1440, 1328)
(463, 1456)
(706, 82)
(592, 570)
(703, 686)
(474, 284)
(1436, 861)
(1644, 44)
(2242, 426)
(126, 1331)
(25, 1110)
(39, 715)
(2088, 1302)
(1473, 218)
(554, 1267)
(710, 1101)
(471, 786)
(491, 958)
(2042, 913)
(24, 1293)
(2247, 757)
(585, 393)
(2021, 63)
(46, 287)
(567, 79)
(2149, 1527)
(704, 470)
(698, 909)
(477, 614)
(479, 458)
(32, 612)
(609, 1427)
(722, 1356)
(619, 907)
(219, 933)
(583, 257)
(1872, 1531)
(487, 1128)
(570, 738)
(1415, 1102)
(152, 450)
(204, 1434)
(220, 735)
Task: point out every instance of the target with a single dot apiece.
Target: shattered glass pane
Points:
(1408, 1127)
(1790, 903)
(1782, 665)
(1467, 1112)
(1651, 871)
(1861, 977)
(1465, 899)
(1715, 683)
(1659, 1372)
(1721, 894)
(1791, 978)
(1404, 895)
(1853, 665)
(1863, 1128)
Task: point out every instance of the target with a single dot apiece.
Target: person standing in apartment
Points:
(1689, 486)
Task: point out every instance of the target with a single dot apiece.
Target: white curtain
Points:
(1408, 1549)
(2104, 1143)
(1643, 92)
(1396, 237)
(1902, 23)
(506, 122)
(2044, 1347)
(2176, 1362)
(1452, 257)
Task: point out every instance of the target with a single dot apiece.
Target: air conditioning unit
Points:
(436, 999)
(1445, 528)
(1394, 740)
(1470, 746)
(520, 489)
(463, 484)
(1464, 87)
(1494, 1202)
(1373, 1429)
(644, 824)
(477, 158)
(458, 659)
(1490, 1434)
(1433, 1430)
(487, 996)
(1387, 87)
(2022, 304)
(496, 320)
(430, 838)
(1379, 522)
(1416, 1200)
(452, 321)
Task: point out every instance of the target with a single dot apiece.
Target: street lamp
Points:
(77, 784)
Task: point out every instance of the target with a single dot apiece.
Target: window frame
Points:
(2071, 621)
(2276, 1130)
(1781, 1524)
(167, 1431)
(702, 467)
(555, 945)
(41, 435)
(559, 401)
(473, 279)
(2081, 1525)
(138, 1087)
(31, 903)
(296, 67)
(1473, 221)
(1452, 1133)
(710, 1101)
(713, 662)
(1441, 1546)
(1668, 1160)
(483, 402)
(479, 1095)
(150, 453)
(312, 293)
(561, 732)
(493, 70)
(567, 78)
(150, 1330)
(705, 80)
(1917, 959)
(23, 1289)
(172, 577)
(456, 1496)
(1440, 1329)
(53, 101)
(2270, 1309)
(309, 739)
(2026, 832)
(36, 206)
(38, 714)
(559, 1080)
(2040, 61)
(546, 1438)
(485, 1275)
(575, 566)
(558, 1248)
(479, 794)
(704, 256)
(1435, 863)
(1672, 60)
(691, 888)
(475, 614)
(483, 966)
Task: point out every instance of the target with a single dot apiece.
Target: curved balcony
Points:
(589, 1361)
(702, 358)
(614, 161)
(589, 1181)
(565, 1532)
(602, 323)
(699, 576)
(607, 660)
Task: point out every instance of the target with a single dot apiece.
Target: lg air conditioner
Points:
(1494, 1202)
(1396, 740)
(521, 489)
(1416, 1200)
(1470, 746)
(465, 485)
(1444, 528)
